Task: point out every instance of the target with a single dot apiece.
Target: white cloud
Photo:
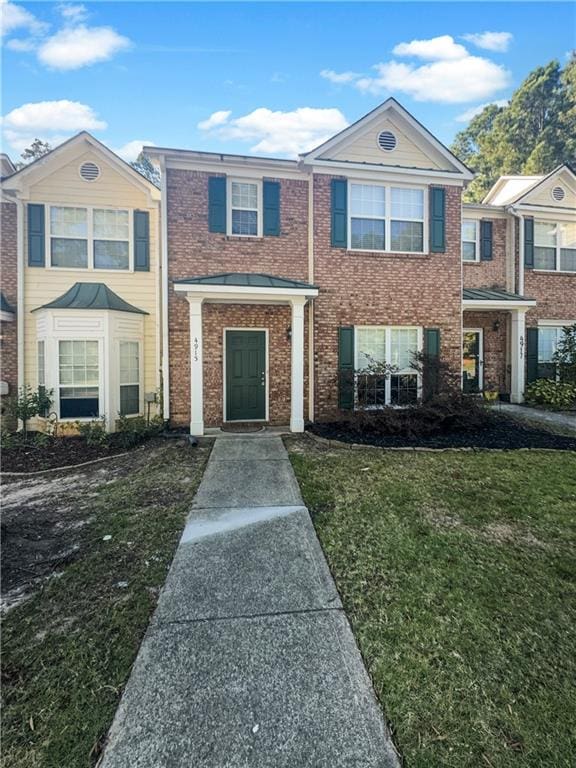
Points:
(451, 75)
(281, 133)
(215, 119)
(81, 46)
(466, 116)
(441, 48)
(132, 149)
(338, 77)
(490, 41)
(52, 121)
(72, 12)
(15, 17)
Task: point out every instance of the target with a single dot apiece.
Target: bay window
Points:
(383, 218)
(89, 238)
(129, 378)
(79, 378)
(385, 365)
(555, 246)
(470, 251)
(244, 209)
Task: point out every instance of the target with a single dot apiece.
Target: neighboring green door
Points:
(245, 375)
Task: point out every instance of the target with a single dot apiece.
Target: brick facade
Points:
(8, 285)
(489, 274)
(495, 354)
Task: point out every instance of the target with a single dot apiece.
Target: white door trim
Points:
(267, 370)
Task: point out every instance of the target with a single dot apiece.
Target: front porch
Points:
(494, 342)
(247, 349)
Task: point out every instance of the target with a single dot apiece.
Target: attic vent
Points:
(387, 141)
(558, 194)
(89, 171)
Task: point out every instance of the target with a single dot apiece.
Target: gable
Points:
(65, 185)
(542, 194)
(409, 152)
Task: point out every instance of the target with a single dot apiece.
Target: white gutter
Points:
(164, 278)
(500, 305)
(240, 291)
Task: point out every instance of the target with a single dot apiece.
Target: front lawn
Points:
(458, 574)
(85, 552)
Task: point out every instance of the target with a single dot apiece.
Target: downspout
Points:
(159, 323)
(311, 302)
(164, 278)
(20, 290)
(520, 218)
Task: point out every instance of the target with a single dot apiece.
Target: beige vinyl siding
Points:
(407, 153)
(543, 195)
(42, 285)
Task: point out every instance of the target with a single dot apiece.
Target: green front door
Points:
(245, 375)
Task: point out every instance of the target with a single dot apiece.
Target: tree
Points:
(37, 149)
(533, 134)
(144, 166)
(29, 403)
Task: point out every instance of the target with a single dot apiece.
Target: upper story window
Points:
(383, 218)
(555, 246)
(244, 214)
(89, 238)
(470, 249)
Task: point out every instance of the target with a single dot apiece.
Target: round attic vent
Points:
(558, 194)
(89, 171)
(387, 141)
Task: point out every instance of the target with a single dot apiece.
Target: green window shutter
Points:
(486, 241)
(141, 241)
(271, 199)
(36, 235)
(339, 214)
(437, 219)
(346, 368)
(531, 355)
(529, 242)
(431, 373)
(217, 204)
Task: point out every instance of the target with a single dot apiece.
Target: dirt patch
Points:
(495, 533)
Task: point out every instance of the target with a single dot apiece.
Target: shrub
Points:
(29, 403)
(552, 394)
(135, 429)
(565, 355)
(94, 432)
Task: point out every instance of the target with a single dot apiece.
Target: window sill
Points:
(474, 263)
(553, 271)
(91, 270)
(418, 254)
(244, 237)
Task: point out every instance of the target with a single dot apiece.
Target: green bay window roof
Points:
(246, 279)
(491, 294)
(91, 296)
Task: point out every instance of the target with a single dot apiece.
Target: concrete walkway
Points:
(551, 419)
(249, 659)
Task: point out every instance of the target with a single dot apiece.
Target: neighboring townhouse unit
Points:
(8, 293)
(84, 233)
(283, 275)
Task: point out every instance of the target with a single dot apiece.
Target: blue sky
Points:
(266, 78)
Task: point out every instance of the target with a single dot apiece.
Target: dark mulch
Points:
(498, 432)
(56, 452)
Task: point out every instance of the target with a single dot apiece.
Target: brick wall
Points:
(489, 274)
(496, 373)
(358, 288)
(8, 286)
(555, 294)
(194, 251)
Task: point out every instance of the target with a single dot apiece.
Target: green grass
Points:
(67, 652)
(458, 574)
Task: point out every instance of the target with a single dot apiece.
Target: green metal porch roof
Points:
(246, 279)
(91, 296)
(4, 305)
(490, 294)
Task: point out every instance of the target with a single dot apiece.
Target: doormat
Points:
(240, 428)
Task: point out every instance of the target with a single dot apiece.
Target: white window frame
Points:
(388, 187)
(387, 346)
(140, 382)
(558, 247)
(476, 242)
(259, 210)
(89, 237)
(59, 386)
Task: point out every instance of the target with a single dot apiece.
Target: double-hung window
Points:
(385, 365)
(89, 238)
(79, 378)
(129, 378)
(470, 250)
(548, 338)
(383, 218)
(555, 246)
(41, 363)
(244, 214)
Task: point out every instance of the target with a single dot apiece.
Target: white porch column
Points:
(517, 355)
(297, 394)
(196, 377)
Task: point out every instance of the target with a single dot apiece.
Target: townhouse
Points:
(269, 285)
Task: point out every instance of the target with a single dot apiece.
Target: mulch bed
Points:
(56, 452)
(500, 432)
